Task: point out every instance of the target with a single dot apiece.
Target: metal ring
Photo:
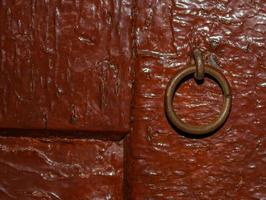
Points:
(202, 129)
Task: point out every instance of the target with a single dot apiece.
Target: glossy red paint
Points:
(230, 164)
(68, 66)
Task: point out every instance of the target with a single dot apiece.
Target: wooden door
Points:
(82, 88)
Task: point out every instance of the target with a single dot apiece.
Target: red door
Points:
(82, 95)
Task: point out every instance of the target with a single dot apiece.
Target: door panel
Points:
(66, 65)
(60, 169)
(230, 164)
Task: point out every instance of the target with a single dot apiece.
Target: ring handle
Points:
(202, 129)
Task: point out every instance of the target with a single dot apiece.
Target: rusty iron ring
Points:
(202, 129)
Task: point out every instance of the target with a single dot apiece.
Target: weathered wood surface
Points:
(66, 65)
(230, 164)
(160, 163)
(59, 169)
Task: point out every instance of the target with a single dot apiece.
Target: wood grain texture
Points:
(66, 65)
(59, 169)
(230, 164)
